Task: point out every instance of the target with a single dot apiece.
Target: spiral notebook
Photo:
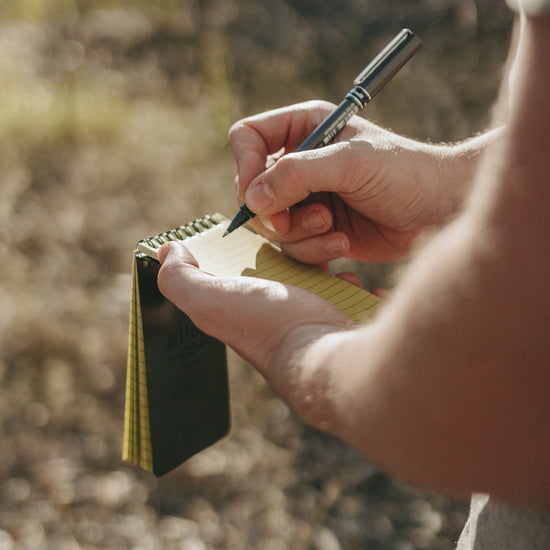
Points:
(177, 398)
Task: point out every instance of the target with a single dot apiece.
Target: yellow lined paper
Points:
(246, 253)
(137, 440)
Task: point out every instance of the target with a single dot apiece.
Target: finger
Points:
(296, 224)
(334, 168)
(253, 139)
(179, 255)
(178, 265)
(350, 278)
(381, 293)
(225, 308)
(229, 308)
(272, 227)
(319, 249)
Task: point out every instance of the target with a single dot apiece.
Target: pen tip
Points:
(226, 233)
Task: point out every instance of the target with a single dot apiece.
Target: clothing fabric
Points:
(494, 525)
(533, 8)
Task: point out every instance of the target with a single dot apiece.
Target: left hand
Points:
(266, 322)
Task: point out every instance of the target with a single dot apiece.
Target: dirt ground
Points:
(113, 125)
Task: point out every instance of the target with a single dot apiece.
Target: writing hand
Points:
(367, 196)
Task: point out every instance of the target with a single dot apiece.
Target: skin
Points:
(447, 388)
(368, 196)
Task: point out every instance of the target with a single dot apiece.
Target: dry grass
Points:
(113, 120)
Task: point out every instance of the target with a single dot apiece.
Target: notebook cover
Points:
(187, 381)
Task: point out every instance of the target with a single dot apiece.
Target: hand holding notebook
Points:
(177, 396)
(250, 314)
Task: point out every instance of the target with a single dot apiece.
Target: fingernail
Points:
(259, 196)
(266, 222)
(313, 220)
(336, 245)
(166, 249)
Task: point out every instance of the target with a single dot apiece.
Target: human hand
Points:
(266, 322)
(367, 196)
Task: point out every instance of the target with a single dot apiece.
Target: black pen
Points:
(367, 84)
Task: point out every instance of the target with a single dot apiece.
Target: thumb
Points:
(178, 265)
(294, 176)
(175, 251)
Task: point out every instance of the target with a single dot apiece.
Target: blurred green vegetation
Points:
(113, 127)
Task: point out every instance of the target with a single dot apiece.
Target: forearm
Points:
(398, 389)
(440, 390)
(448, 388)
(466, 155)
(457, 168)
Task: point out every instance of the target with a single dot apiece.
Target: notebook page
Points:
(246, 253)
(137, 441)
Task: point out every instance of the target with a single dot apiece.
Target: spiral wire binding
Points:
(181, 233)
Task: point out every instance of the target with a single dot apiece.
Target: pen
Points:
(366, 85)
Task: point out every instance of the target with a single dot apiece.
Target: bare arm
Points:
(453, 391)
(448, 388)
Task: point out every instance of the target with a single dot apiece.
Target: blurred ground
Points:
(113, 122)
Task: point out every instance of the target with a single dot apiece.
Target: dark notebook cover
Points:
(186, 372)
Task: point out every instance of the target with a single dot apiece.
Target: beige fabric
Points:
(493, 525)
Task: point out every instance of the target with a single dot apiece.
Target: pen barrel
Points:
(332, 125)
(388, 62)
(367, 84)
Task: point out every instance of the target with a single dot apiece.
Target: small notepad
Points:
(177, 399)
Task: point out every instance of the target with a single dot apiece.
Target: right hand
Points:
(366, 196)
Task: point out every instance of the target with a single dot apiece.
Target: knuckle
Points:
(165, 279)
(318, 105)
(236, 128)
(290, 169)
(301, 251)
(325, 106)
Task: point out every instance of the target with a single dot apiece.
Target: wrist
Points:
(304, 371)
(456, 170)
